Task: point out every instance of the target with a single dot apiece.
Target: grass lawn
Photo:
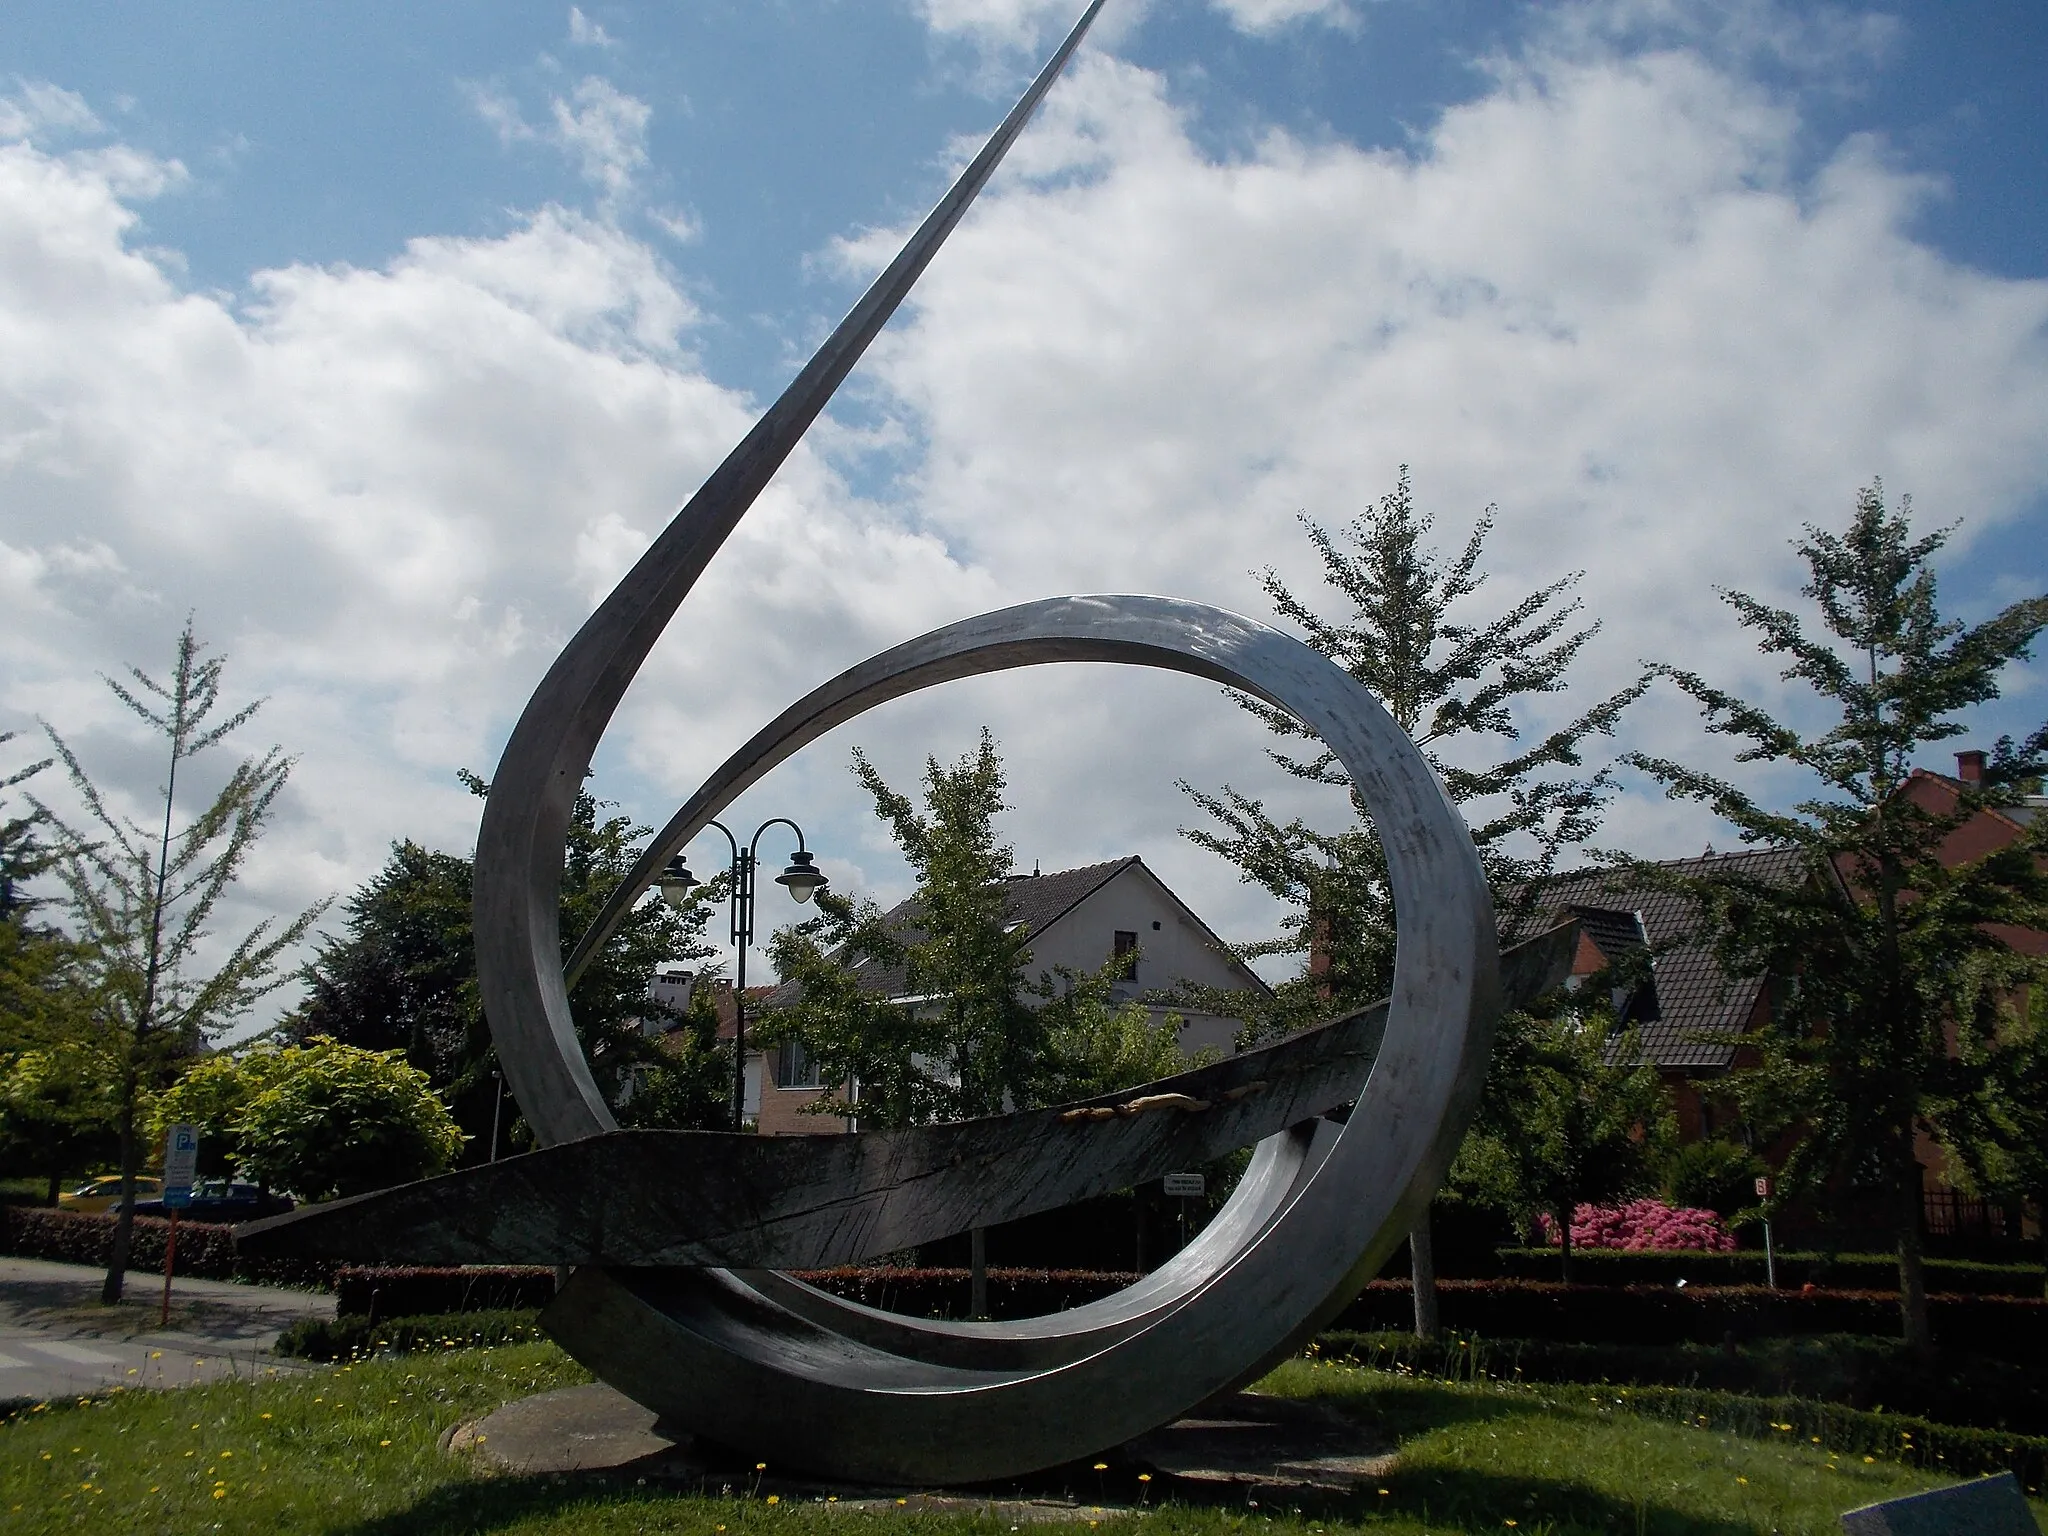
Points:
(355, 1449)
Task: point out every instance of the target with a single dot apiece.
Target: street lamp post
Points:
(801, 879)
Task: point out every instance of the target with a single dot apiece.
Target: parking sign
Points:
(181, 1164)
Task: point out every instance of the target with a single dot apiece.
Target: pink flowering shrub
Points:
(1643, 1224)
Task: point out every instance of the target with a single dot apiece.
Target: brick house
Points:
(1689, 1016)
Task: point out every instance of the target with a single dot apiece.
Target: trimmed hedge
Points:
(353, 1338)
(206, 1250)
(1849, 1369)
(2006, 1327)
(367, 1291)
(1848, 1271)
(380, 1291)
(947, 1292)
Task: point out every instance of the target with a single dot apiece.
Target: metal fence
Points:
(1950, 1214)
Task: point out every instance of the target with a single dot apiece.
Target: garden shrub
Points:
(1643, 1224)
(352, 1338)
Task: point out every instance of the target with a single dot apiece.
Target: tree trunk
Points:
(1564, 1230)
(124, 1223)
(56, 1184)
(1912, 1214)
(1422, 1272)
(2041, 1223)
(977, 1273)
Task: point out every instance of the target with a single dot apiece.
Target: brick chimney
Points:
(1970, 766)
(1319, 954)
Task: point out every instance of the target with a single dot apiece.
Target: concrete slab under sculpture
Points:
(749, 1357)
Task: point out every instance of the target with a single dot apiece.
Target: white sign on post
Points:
(1186, 1185)
(181, 1165)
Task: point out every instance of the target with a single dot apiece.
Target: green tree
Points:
(22, 853)
(1886, 939)
(141, 901)
(689, 1086)
(1097, 1045)
(212, 1093)
(39, 980)
(1572, 1116)
(59, 1111)
(334, 1120)
(972, 1044)
(984, 1033)
(402, 975)
(1463, 688)
(1996, 1128)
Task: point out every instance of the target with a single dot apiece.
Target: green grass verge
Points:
(355, 1449)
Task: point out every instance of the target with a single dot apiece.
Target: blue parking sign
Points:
(181, 1165)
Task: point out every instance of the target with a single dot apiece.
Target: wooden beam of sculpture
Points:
(694, 1198)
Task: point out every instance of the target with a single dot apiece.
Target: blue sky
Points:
(321, 134)
(383, 337)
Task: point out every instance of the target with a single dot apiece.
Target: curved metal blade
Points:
(533, 794)
(695, 1198)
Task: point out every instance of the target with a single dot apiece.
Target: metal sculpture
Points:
(1359, 1120)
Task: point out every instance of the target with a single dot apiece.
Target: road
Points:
(56, 1340)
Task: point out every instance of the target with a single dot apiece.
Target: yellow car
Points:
(104, 1192)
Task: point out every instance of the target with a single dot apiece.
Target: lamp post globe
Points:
(677, 882)
(802, 879)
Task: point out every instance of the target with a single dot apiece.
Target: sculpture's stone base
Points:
(1252, 1443)
(1250, 1449)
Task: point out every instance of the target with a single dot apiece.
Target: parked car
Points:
(220, 1200)
(102, 1192)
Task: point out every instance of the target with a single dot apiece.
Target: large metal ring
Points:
(763, 1362)
(760, 1360)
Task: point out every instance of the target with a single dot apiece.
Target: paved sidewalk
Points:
(56, 1340)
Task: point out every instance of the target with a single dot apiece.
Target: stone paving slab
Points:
(56, 1340)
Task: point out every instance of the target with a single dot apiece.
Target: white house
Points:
(1073, 918)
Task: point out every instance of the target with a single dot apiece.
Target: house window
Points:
(794, 1068)
(1126, 951)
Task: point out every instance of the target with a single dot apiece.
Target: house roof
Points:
(1036, 901)
(2020, 814)
(1615, 934)
(1699, 1010)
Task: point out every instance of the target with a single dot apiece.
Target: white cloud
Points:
(388, 495)
(1011, 26)
(1599, 296)
(39, 109)
(1816, 40)
(1257, 16)
(600, 127)
(585, 33)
